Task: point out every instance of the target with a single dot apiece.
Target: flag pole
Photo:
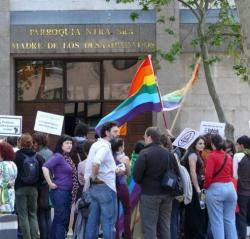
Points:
(159, 93)
(188, 86)
(163, 115)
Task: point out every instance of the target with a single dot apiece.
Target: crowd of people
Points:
(201, 192)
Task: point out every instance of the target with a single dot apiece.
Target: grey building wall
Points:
(234, 94)
(168, 75)
(6, 102)
(40, 5)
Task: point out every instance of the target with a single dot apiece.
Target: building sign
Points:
(10, 125)
(102, 38)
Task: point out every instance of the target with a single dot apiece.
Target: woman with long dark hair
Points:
(221, 196)
(63, 185)
(195, 216)
(122, 161)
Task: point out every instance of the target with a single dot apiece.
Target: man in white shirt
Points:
(100, 172)
(241, 166)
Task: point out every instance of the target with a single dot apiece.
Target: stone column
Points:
(5, 81)
(169, 75)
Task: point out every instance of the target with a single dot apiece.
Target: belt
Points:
(97, 181)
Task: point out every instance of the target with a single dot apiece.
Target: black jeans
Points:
(44, 222)
(241, 217)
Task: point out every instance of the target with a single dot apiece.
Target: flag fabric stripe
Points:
(174, 99)
(138, 80)
(125, 116)
(143, 97)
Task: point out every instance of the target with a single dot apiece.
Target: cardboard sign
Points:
(186, 138)
(49, 123)
(212, 128)
(10, 125)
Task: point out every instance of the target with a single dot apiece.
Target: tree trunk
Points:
(229, 130)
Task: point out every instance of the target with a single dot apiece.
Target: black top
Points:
(199, 167)
(19, 163)
(152, 163)
(244, 176)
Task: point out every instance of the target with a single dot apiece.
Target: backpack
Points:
(30, 171)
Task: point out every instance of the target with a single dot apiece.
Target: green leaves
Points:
(212, 60)
(173, 52)
(134, 16)
(241, 71)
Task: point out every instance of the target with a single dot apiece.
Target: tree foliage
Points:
(224, 33)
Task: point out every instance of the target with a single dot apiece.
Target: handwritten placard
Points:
(49, 123)
(212, 128)
(10, 125)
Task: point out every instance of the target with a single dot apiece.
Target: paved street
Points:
(8, 227)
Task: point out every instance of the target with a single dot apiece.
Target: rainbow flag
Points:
(174, 99)
(143, 97)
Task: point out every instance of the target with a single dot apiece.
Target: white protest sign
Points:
(212, 128)
(186, 138)
(49, 123)
(10, 125)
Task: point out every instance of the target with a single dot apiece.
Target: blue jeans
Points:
(103, 209)
(221, 204)
(61, 201)
(44, 222)
(175, 220)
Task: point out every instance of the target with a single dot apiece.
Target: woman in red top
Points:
(220, 194)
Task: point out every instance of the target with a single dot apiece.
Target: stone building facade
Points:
(44, 40)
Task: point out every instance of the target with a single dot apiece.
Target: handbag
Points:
(171, 182)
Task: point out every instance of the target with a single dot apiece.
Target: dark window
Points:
(83, 81)
(118, 75)
(39, 80)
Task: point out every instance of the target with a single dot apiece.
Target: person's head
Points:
(166, 141)
(117, 145)
(12, 140)
(64, 144)
(208, 145)
(230, 147)
(152, 135)
(6, 152)
(86, 146)
(139, 146)
(217, 142)
(26, 141)
(109, 130)
(243, 142)
(39, 140)
(81, 130)
(198, 145)
(2, 140)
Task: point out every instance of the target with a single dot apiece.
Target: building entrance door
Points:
(80, 90)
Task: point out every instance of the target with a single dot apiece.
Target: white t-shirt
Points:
(100, 153)
(236, 160)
